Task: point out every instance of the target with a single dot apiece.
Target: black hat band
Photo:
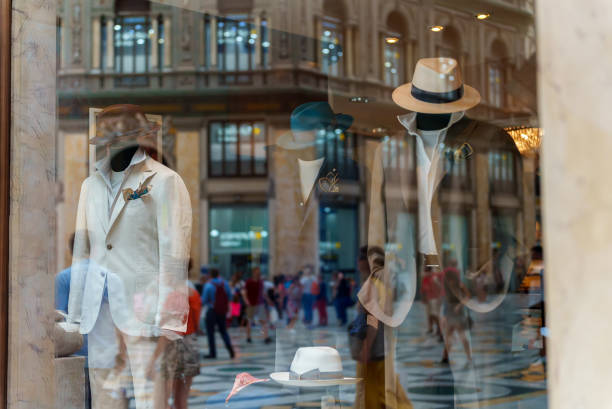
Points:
(437, 97)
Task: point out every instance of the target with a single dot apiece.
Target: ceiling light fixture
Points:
(436, 29)
(483, 16)
(391, 40)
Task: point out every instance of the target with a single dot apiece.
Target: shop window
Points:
(132, 49)
(502, 171)
(331, 38)
(237, 149)
(496, 70)
(236, 42)
(238, 237)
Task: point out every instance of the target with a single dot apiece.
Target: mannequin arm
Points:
(174, 230)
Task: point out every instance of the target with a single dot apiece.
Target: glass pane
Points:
(364, 176)
(216, 149)
(246, 157)
(230, 144)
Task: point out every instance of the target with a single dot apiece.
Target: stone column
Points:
(153, 41)
(167, 41)
(95, 43)
(187, 165)
(213, 42)
(408, 61)
(110, 44)
(574, 105)
(31, 263)
(257, 41)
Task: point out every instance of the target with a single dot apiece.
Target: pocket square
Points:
(143, 189)
(329, 183)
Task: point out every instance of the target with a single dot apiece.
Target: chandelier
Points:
(526, 139)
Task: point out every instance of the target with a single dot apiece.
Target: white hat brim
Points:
(402, 96)
(283, 378)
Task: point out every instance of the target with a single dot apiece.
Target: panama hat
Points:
(122, 122)
(436, 88)
(313, 116)
(314, 367)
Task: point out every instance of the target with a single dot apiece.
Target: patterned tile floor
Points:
(504, 374)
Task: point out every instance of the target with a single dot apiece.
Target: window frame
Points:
(238, 160)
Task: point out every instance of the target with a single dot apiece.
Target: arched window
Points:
(331, 37)
(394, 46)
(496, 70)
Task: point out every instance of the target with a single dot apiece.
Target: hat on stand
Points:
(436, 88)
(314, 367)
(313, 116)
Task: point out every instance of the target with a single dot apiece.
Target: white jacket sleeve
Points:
(174, 221)
(80, 257)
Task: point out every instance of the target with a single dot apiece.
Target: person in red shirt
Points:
(181, 360)
(253, 294)
(431, 292)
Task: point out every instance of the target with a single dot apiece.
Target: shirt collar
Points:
(104, 165)
(409, 121)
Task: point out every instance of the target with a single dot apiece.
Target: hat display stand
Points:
(288, 341)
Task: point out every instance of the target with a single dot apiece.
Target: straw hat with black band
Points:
(436, 88)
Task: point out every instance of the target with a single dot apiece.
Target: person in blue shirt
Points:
(216, 297)
(62, 293)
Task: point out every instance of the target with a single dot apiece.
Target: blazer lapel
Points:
(139, 175)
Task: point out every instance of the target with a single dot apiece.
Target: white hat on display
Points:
(314, 367)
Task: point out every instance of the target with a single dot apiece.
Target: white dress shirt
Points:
(309, 170)
(430, 170)
(114, 180)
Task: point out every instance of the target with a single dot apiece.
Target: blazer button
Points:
(109, 246)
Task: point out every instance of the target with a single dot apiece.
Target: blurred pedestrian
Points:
(253, 294)
(343, 298)
(454, 317)
(294, 300)
(431, 294)
(321, 300)
(308, 282)
(182, 357)
(216, 299)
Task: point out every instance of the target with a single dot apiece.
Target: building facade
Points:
(226, 75)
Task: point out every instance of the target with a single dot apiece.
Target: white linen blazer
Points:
(141, 251)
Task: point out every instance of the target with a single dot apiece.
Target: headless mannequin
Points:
(431, 122)
(121, 157)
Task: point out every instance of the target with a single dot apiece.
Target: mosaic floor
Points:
(505, 372)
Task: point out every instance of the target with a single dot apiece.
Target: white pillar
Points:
(110, 44)
(213, 41)
(95, 43)
(574, 106)
(257, 41)
(154, 44)
(167, 41)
